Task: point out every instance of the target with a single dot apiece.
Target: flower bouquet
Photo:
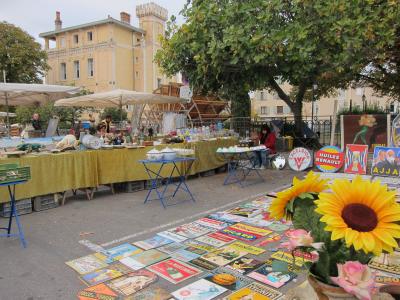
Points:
(344, 224)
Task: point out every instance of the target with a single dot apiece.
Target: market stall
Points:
(53, 173)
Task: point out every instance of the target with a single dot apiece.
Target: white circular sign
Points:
(299, 159)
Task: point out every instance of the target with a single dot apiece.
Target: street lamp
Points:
(363, 100)
(314, 87)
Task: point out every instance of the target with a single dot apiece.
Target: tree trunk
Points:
(240, 104)
(298, 117)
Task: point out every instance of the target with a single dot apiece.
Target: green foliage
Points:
(249, 45)
(115, 114)
(46, 111)
(20, 56)
(374, 108)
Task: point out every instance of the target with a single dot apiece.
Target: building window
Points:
(76, 69)
(63, 71)
(90, 36)
(76, 38)
(275, 96)
(136, 60)
(279, 110)
(262, 95)
(137, 74)
(62, 42)
(158, 82)
(264, 110)
(286, 110)
(90, 67)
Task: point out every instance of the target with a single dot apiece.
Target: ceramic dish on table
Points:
(154, 154)
(168, 154)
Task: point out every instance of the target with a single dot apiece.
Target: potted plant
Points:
(344, 226)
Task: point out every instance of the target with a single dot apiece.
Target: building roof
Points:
(53, 33)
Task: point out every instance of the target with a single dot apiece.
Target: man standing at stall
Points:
(107, 123)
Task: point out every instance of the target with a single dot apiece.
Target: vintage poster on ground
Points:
(247, 248)
(225, 217)
(171, 248)
(386, 162)
(114, 270)
(144, 259)
(356, 159)
(223, 256)
(287, 257)
(204, 264)
(255, 291)
(191, 230)
(211, 223)
(383, 278)
(199, 290)
(98, 292)
(245, 265)
(118, 252)
(131, 283)
(275, 279)
(215, 239)
(86, 264)
(247, 212)
(199, 245)
(272, 238)
(228, 279)
(154, 242)
(174, 271)
(184, 255)
(371, 130)
(252, 229)
(387, 262)
(150, 293)
(172, 236)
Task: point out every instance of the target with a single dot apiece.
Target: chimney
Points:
(125, 17)
(58, 22)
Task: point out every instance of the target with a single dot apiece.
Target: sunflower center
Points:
(359, 217)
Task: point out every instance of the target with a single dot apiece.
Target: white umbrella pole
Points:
(7, 117)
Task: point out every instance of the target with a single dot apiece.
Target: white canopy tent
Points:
(118, 98)
(14, 94)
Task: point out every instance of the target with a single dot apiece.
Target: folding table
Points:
(240, 166)
(13, 213)
(180, 166)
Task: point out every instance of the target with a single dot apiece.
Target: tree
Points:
(383, 71)
(115, 113)
(21, 57)
(239, 46)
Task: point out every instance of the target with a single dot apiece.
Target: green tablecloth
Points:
(53, 173)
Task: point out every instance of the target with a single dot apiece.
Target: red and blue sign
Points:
(329, 159)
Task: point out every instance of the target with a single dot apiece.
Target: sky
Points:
(36, 16)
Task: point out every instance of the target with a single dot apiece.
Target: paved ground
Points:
(55, 236)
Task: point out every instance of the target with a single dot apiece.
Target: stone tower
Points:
(152, 18)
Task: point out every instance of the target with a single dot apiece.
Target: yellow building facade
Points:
(108, 54)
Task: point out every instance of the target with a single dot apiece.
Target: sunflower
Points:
(310, 184)
(362, 212)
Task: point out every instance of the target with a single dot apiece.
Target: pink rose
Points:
(356, 279)
(300, 238)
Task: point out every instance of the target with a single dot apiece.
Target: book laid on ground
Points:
(199, 290)
(118, 252)
(112, 271)
(144, 259)
(133, 282)
(173, 270)
(86, 264)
